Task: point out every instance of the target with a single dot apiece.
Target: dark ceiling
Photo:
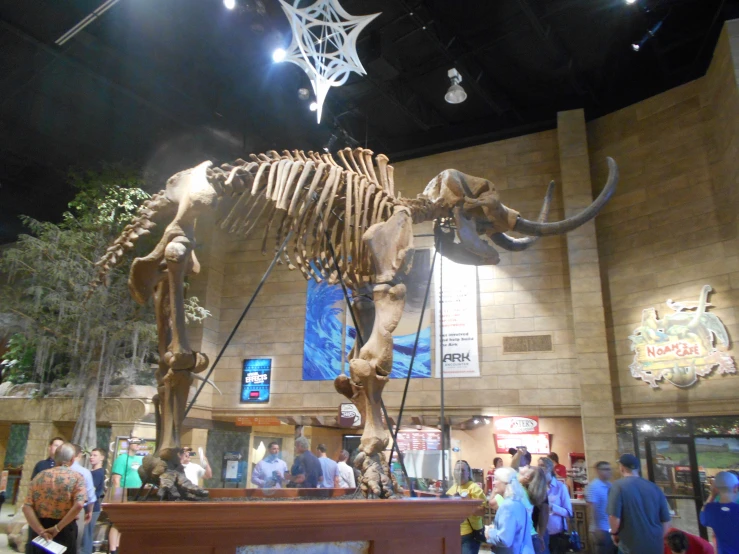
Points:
(164, 84)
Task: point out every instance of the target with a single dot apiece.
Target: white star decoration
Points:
(324, 44)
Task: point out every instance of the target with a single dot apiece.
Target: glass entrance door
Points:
(672, 465)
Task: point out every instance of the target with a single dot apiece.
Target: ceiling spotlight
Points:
(278, 55)
(313, 106)
(629, 2)
(230, 4)
(649, 34)
(331, 142)
(455, 94)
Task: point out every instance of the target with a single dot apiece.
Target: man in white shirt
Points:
(193, 471)
(270, 472)
(346, 473)
(85, 515)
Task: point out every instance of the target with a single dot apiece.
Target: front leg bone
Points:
(180, 261)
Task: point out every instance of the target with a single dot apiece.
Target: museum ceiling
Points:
(164, 84)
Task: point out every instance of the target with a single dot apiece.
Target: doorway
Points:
(684, 469)
(672, 465)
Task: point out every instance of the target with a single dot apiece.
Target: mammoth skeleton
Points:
(315, 202)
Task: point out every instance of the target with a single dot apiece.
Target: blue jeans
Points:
(470, 545)
(546, 543)
(88, 533)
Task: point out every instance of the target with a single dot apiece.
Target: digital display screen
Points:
(255, 380)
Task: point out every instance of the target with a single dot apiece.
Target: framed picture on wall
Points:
(256, 380)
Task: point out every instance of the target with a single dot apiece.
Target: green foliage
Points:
(17, 362)
(49, 273)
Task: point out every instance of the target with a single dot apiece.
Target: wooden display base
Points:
(423, 525)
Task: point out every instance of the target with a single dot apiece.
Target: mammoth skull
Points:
(476, 219)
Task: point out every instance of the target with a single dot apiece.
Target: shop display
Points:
(682, 346)
(330, 217)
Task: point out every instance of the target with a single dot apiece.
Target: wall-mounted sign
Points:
(682, 346)
(256, 379)
(516, 424)
(458, 319)
(232, 466)
(349, 415)
(261, 421)
(419, 440)
(535, 443)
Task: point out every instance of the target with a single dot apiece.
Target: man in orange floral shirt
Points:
(55, 497)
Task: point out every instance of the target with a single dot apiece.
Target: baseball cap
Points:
(629, 460)
(725, 480)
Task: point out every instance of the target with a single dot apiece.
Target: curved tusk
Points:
(211, 383)
(516, 245)
(560, 227)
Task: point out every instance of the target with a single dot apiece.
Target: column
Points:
(591, 347)
(195, 438)
(37, 449)
(4, 437)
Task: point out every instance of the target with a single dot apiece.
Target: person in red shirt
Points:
(679, 542)
(559, 470)
(497, 462)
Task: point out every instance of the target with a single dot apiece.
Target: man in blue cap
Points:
(722, 515)
(637, 511)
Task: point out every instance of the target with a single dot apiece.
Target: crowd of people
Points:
(627, 516)
(64, 498)
(308, 470)
(532, 503)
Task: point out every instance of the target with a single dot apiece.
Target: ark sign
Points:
(682, 346)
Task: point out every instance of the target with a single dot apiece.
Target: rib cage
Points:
(306, 193)
(310, 194)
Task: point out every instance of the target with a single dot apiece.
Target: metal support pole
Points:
(361, 343)
(410, 366)
(243, 315)
(441, 368)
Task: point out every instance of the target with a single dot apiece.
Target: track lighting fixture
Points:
(455, 94)
(637, 46)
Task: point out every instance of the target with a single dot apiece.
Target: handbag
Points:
(575, 542)
(570, 539)
(478, 535)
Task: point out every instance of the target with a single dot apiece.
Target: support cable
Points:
(243, 315)
(413, 358)
(361, 343)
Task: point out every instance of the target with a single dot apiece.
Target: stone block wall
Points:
(671, 227)
(527, 293)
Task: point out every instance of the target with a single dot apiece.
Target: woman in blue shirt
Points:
(560, 509)
(510, 533)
